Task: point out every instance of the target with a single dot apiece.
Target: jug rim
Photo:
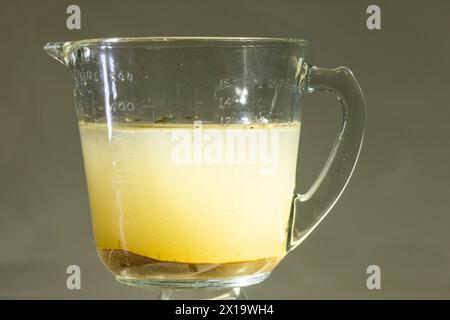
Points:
(184, 40)
(61, 50)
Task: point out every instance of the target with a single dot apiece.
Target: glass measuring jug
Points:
(190, 150)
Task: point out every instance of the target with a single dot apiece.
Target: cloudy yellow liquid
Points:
(146, 203)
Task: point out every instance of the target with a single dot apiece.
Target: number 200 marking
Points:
(122, 106)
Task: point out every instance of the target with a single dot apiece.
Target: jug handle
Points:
(309, 209)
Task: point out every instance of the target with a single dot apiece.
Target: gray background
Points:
(394, 213)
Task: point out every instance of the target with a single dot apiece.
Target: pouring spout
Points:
(57, 50)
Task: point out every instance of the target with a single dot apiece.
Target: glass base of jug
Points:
(232, 283)
(139, 271)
